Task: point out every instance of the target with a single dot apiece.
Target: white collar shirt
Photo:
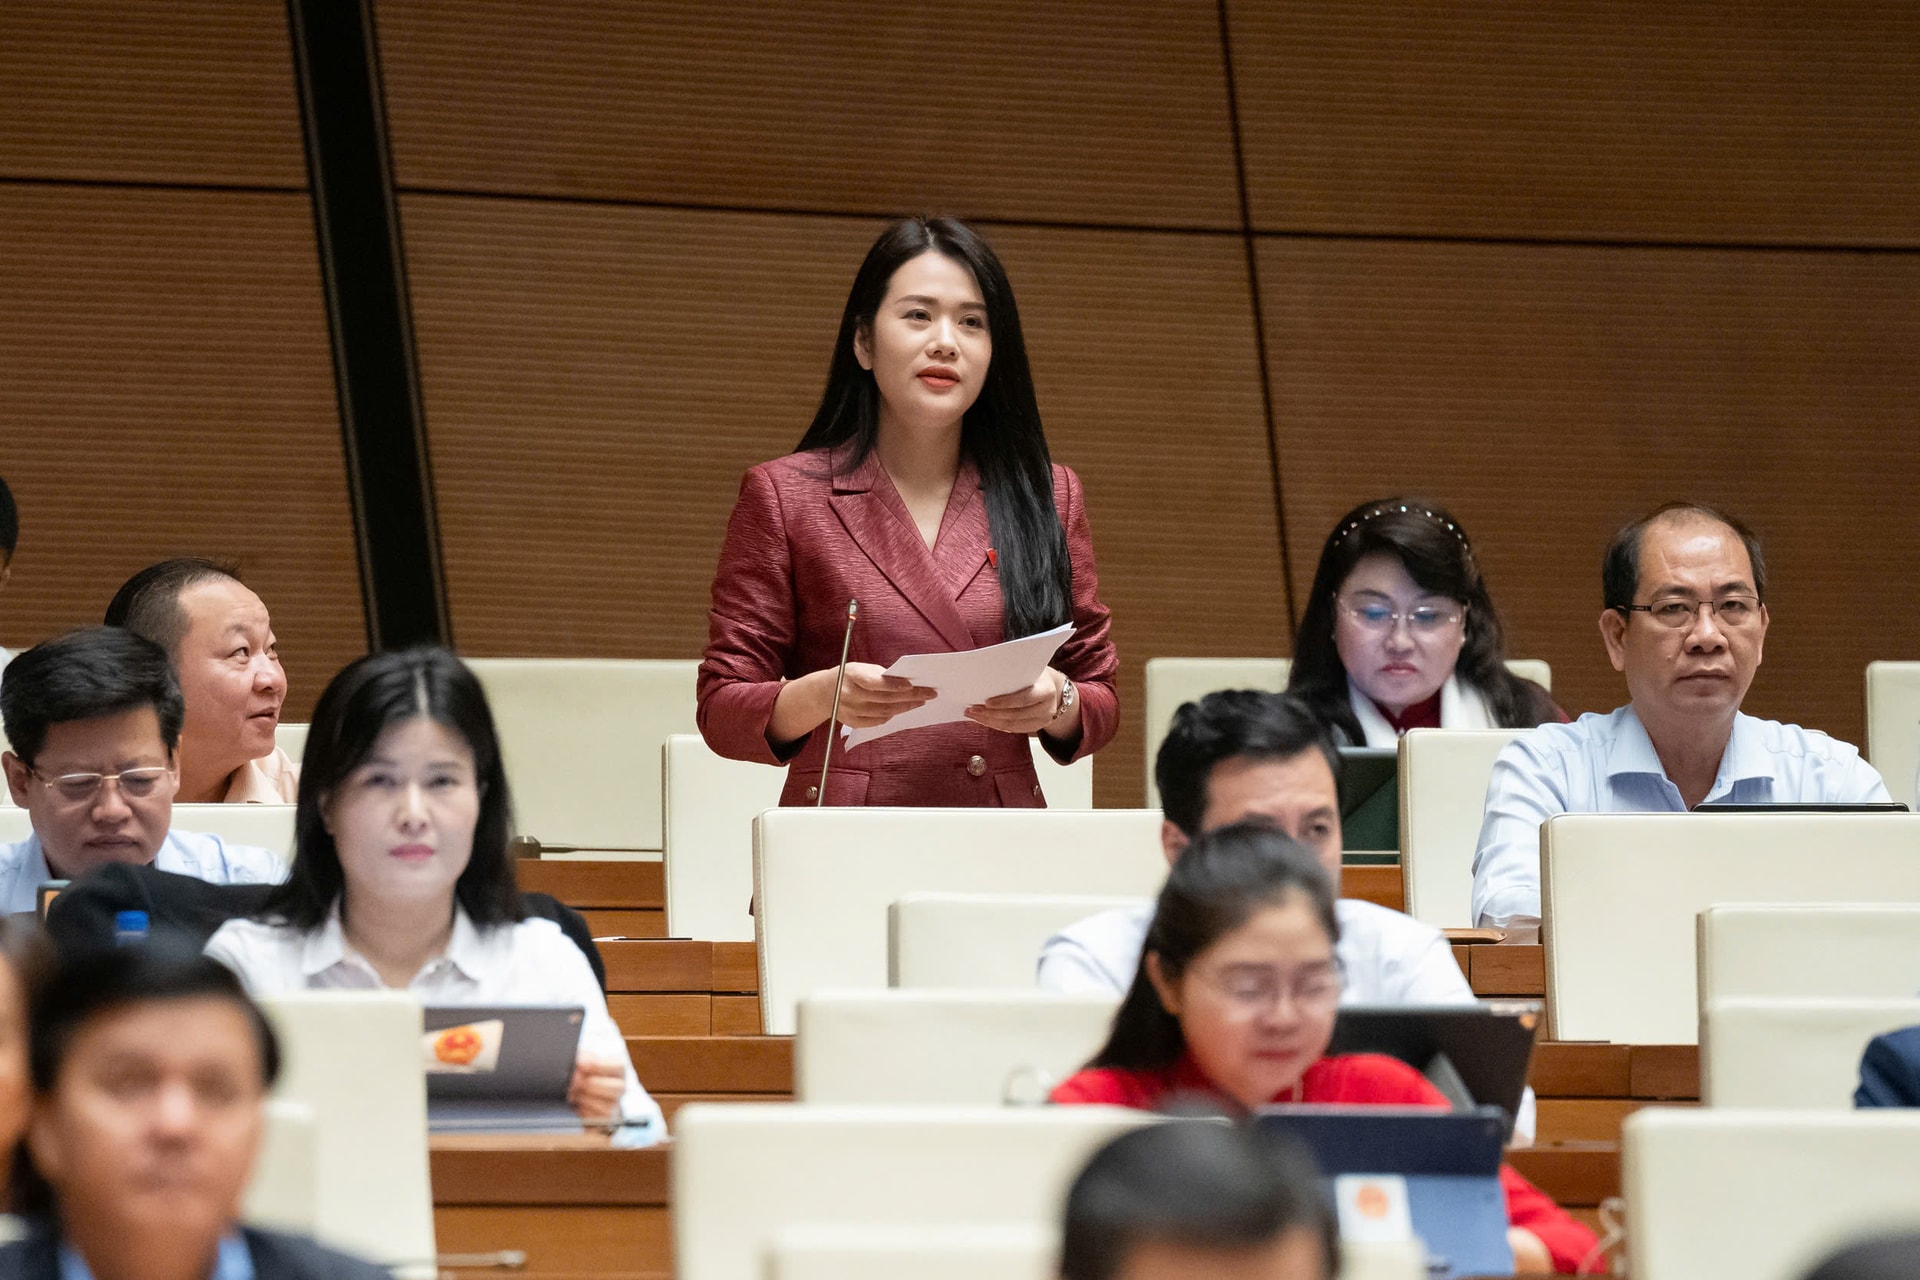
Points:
(23, 866)
(531, 962)
(1607, 764)
(1388, 957)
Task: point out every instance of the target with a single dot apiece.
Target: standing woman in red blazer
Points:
(923, 489)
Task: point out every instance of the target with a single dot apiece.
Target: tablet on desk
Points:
(1802, 806)
(501, 1067)
(1370, 798)
(1449, 1162)
(1478, 1055)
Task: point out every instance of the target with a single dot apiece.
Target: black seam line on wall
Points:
(138, 184)
(1259, 326)
(376, 368)
(1170, 228)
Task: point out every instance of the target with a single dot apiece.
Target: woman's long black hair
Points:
(1433, 546)
(368, 697)
(1217, 884)
(1001, 433)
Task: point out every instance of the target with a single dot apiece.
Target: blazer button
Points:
(977, 766)
(813, 793)
(1036, 791)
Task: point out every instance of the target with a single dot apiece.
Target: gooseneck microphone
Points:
(846, 647)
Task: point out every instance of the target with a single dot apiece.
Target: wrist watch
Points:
(1068, 696)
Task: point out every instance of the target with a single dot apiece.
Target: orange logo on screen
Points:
(1371, 1201)
(457, 1046)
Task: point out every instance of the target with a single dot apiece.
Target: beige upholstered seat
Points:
(353, 1059)
(1809, 950)
(710, 806)
(1443, 791)
(292, 739)
(824, 879)
(1620, 893)
(822, 1252)
(1762, 1195)
(959, 1048)
(744, 1173)
(1800, 1053)
(981, 940)
(1893, 726)
(284, 1191)
(267, 826)
(582, 741)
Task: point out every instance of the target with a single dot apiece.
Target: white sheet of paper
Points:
(966, 679)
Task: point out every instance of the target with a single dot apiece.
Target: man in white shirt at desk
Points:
(1238, 755)
(94, 722)
(1685, 620)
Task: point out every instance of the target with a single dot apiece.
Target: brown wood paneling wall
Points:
(1078, 111)
(169, 391)
(160, 91)
(1550, 394)
(1619, 120)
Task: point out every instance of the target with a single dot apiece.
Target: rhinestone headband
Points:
(1402, 508)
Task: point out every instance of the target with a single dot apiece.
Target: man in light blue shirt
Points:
(1685, 622)
(94, 722)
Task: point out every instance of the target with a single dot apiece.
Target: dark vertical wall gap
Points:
(1259, 323)
(357, 223)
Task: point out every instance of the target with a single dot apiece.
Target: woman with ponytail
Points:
(925, 490)
(1233, 1008)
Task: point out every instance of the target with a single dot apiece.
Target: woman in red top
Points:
(1234, 1004)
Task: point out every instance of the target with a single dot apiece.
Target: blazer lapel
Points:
(964, 535)
(880, 525)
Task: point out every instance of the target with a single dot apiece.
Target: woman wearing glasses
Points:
(1233, 1007)
(1400, 632)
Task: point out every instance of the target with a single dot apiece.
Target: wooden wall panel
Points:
(1775, 122)
(169, 390)
(1077, 111)
(169, 91)
(597, 379)
(1550, 394)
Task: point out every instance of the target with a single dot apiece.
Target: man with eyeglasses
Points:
(94, 721)
(1685, 620)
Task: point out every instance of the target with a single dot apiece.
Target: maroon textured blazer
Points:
(799, 545)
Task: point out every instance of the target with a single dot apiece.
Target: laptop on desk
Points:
(501, 1068)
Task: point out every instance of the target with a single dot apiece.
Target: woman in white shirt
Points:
(1400, 633)
(401, 876)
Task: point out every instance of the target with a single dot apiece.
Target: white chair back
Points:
(265, 826)
(825, 1252)
(824, 878)
(1620, 893)
(710, 806)
(582, 738)
(983, 941)
(1893, 726)
(1173, 681)
(1443, 794)
(292, 739)
(1763, 1195)
(1809, 951)
(1791, 1054)
(15, 824)
(711, 803)
(284, 1191)
(943, 1048)
(353, 1058)
(743, 1173)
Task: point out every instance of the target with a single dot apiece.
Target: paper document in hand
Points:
(967, 679)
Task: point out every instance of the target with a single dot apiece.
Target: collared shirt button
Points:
(977, 766)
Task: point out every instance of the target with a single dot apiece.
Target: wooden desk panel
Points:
(625, 922)
(1665, 1071)
(1381, 885)
(1575, 1174)
(684, 1014)
(714, 1064)
(562, 1242)
(1507, 971)
(1574, 1069)
(606, 883)
(668, 964)
(736, 967)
